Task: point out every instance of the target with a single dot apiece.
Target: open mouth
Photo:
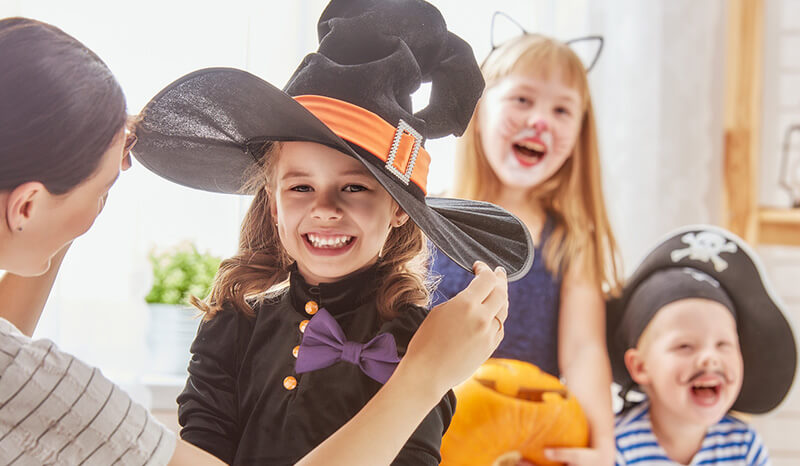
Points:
(706, 392)
(529, 152)
(330, 242)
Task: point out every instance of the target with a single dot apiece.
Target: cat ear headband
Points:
(587, 39)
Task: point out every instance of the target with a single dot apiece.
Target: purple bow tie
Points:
(324, 344)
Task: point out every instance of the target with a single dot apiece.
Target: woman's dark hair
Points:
(60, 107)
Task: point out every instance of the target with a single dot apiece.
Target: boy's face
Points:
(688, 361)
(333, 216)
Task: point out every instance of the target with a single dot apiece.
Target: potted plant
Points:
(178, 273)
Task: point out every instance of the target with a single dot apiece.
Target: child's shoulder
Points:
(730, 440)
(633, 418)
(407, 320)
(731, 425)
(230, 317)
(409, 314)
(633, 434)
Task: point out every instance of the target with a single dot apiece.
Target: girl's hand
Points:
(460, 334)
(580, 456)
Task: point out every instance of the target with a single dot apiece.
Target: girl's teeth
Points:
(328, 242)
(532, 146)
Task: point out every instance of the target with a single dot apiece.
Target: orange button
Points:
(289, 383)
(303, 325)
(312, 307)
(295, 350)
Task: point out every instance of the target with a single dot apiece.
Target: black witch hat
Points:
(731, 274)
(354, 94)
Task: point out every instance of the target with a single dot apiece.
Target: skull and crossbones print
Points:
(705, 246)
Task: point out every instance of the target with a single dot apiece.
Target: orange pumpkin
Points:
(510, 410)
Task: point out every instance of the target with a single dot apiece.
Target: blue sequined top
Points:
(531, 330)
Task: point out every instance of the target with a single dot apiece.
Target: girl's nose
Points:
(540, 125)
(326, 208)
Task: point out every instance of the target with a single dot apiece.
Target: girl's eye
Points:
(303, 188)
(724, 344)
(519, 100)
(683, 347)
(354, 188)
(562, 111)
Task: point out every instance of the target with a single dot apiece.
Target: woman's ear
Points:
(399, 216)
(22, 202)
(636, 367)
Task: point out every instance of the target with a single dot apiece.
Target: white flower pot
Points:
(170, 334)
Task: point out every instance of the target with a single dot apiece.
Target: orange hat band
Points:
(400, 147)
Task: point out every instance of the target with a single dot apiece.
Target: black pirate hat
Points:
(709, 262)
(354, 94)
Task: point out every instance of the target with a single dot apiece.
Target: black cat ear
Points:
(588, 49)
(499, 14)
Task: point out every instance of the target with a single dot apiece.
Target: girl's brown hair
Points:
(261, 263)
(573, 196)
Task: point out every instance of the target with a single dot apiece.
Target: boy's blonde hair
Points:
(573, 196)
(262, 263)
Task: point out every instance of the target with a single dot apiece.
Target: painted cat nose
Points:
(540, 125)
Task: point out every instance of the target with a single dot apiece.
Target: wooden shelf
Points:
(742, 117)
(779, 226)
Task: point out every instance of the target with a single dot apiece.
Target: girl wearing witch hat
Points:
(61, 148)
(338, 168)
(699, 332)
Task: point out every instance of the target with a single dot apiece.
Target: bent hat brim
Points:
(205, 129)
(767, 343)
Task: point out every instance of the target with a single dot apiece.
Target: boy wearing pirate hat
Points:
(699, 332)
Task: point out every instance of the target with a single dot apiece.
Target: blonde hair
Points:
(261, 263)
(573, 196)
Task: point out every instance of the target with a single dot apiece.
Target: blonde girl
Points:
(531, 147)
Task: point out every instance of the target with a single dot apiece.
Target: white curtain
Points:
(659, 95)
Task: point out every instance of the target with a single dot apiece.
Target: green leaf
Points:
(180, 272)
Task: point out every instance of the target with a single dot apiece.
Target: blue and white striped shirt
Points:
(729, 442)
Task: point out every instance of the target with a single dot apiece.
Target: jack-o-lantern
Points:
(509, 410)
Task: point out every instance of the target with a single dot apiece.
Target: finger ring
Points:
(499, 322)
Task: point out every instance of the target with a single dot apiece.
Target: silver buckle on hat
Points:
(403, 127)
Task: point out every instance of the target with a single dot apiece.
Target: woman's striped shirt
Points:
(54, 409)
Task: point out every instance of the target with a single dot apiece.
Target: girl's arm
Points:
(455, 338)
(24, 298)
(584, 364)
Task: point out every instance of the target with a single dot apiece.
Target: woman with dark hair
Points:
(63, 143)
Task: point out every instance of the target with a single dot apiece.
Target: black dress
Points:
(244, 402)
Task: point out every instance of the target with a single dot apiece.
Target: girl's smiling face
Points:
(333, 216)
(689, 362)
(528, 127)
